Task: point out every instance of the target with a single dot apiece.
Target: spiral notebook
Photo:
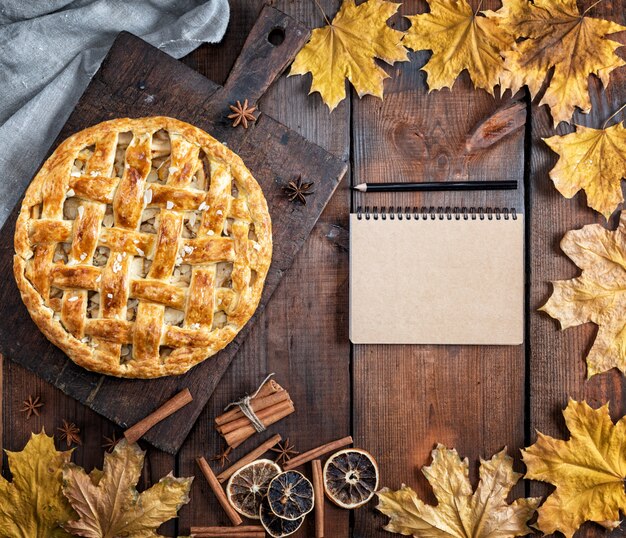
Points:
(434, 276)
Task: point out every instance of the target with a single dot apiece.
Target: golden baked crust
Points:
(142, 246)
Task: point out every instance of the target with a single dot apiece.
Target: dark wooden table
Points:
(397, 401)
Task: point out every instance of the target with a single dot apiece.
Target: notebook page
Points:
(437, 281)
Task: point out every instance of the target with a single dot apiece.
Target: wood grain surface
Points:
(397, 402)
(136, 80)
(408, 398)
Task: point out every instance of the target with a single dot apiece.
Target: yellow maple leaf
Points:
(557, 35)
(597, 295)
(588, 470)
(459, 512)
(346, 48)
(593, 160)
(108, 504)
(460, 39)
(33, 505)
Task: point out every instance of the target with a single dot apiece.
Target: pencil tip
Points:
(360, 187)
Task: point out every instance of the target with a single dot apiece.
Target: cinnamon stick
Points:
(317, 452)
(227, 530)
(263, 414)
(257, 404)
(243, 531)
(134, 433)
(218, 491)
(253, 455)
(318, 490)
(248, 534)
(270, 416)
(270, 388)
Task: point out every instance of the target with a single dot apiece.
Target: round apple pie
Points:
(142, 246)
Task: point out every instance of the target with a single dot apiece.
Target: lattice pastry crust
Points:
(142, 247)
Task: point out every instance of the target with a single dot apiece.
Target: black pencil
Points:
(438, 186)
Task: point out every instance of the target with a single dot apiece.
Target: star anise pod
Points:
(298, 190)
(110, 442)
(31, 406)
(242, 114)
(285, 451)
(70, 433)
(222, 457)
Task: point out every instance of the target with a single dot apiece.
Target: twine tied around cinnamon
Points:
(246, 408)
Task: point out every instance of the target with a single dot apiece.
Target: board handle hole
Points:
(276, 36)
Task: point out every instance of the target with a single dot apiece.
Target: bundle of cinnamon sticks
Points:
(270, 404)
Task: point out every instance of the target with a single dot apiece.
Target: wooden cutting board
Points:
(138, 80)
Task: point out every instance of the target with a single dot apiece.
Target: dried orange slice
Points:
(247, 487)
(275, 526)
(290, 495)
(350, 477)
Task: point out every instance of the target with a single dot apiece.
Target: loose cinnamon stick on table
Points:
(267, 417)
(317, 452)
(256, 534)
(248, 534)
(243, 531)
(134, 433)
(253, 455)
(218, 491)
(226, 530)
(318, 490)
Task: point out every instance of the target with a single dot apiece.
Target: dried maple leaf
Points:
(557, 35)
(108, 504)
(346, 48)
(459, 512)
(460, 39)
(33, 504)
(597, 295)
(593, 160)
(588, 470)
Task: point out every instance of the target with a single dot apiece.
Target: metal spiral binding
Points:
(432, 213)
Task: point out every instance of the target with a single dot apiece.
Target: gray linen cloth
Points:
(50, 49)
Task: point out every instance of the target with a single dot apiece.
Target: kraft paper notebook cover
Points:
(437, 277)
